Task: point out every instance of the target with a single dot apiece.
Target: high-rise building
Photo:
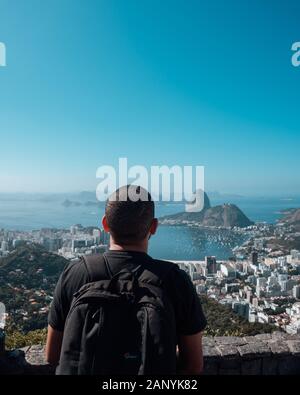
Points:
(283, 277)
(97, 236)
(17, 242)
(227, 270)
(96, 232)
(51, 243)
(4, 246)
(295, 254)
(260, 286)
(249, 296)
(254, 257)
(211, 264)
(258, 244)
(282, 260)
(261, 282)
(252, 316)
(284, 285)
(296, 291)
(78, 244)
(73, 229)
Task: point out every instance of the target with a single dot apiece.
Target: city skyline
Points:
(159, 83)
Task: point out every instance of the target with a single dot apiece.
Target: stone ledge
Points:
(278, 353)
(265, 354)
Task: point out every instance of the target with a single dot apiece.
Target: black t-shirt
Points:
(188, 311)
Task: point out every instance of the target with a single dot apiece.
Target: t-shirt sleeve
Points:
(70, 281)
(190, 316)
(56, 318)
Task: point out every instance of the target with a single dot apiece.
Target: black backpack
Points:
(120, 324)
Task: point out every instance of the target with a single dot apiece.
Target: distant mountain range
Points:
(219, 195)
(74, 203)
(225, 215)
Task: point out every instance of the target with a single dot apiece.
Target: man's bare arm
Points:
(53, 345)
(190, 354)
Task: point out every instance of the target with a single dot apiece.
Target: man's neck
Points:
(132, 247)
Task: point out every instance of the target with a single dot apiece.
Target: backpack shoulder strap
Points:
(158, 272)
(97, 267)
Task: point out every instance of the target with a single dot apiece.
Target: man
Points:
(129, 218)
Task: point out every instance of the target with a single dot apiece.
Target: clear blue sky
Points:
(160, 82)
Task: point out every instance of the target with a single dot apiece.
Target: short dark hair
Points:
(129, 212)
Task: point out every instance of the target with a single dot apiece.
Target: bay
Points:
(176, 242)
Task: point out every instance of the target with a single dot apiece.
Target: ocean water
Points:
(184, 243)
(169, 242)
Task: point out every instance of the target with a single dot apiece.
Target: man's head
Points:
(129, 216)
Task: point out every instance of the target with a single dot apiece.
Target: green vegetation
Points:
(27, 280)
(16, 339)
(222, 321)
(285, 245)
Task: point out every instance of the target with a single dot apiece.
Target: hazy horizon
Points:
(212, 194)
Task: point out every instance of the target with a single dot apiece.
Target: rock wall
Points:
(266, 354)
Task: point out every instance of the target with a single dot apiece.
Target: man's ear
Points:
(153, 227)
(104, 224)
